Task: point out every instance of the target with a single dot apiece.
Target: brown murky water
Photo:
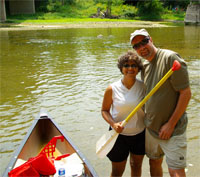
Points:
(66, 72)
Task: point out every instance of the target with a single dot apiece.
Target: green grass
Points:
(64, 17)
(176, 16)
(60, 20)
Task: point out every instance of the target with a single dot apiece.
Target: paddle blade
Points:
(105, 143)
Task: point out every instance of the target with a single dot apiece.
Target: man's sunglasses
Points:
(132, 66)
(142, 43)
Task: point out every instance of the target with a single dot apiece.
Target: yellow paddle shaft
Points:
(169, 73)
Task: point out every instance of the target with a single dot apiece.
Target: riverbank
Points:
(101, 24)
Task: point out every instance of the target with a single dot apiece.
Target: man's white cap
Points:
(141, 32)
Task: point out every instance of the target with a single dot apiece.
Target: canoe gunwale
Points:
(23, 142)
(16, 153)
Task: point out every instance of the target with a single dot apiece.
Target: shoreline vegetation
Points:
(97, 14)
(60, 14)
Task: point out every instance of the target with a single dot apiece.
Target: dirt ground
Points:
(27, 26)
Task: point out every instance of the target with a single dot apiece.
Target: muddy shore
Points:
(27, 26)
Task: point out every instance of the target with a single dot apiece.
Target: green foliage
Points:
(145, 10)
(41, 6)
(124, 11)
(84, 4)
(85, 8)
(174, 15)
(195, 2)
(69, 2)
(130, 11)
(179, 4)
(57, 5)
(112, 2)
(109, 5)
(53, 6)
(150, 10)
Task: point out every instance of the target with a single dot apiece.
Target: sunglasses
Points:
(142, 43)
(132, 66)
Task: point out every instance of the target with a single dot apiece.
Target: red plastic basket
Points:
(42, 164)
(49, 149)
(34, 167)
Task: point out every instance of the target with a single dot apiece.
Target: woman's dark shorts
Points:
(126, 144)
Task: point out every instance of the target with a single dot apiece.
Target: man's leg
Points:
(156, 167)
(155, 154)
(175, 150)
(177, 172)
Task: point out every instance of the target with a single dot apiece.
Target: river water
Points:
(66, 72)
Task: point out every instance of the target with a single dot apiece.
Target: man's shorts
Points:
(175, 149)
(126, 144)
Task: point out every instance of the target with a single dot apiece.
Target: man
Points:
(166, 119)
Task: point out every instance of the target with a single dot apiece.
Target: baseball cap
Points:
(141, 32)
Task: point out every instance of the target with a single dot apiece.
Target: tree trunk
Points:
(3, 11)
(108, 10)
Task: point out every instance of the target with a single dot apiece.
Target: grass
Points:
(175, 16)
(65, 18)
(52, 18)
(58, 18)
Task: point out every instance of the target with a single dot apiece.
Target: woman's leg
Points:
(118, 168)
(136, 164)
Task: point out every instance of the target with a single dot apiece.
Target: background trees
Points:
(132, 9)
(150, 9)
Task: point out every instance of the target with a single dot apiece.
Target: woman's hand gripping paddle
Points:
(107, 141)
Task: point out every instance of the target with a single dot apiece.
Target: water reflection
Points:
(67, 71)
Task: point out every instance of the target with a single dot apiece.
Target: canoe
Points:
(42, 131)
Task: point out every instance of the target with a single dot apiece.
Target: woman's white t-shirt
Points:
(124, 102)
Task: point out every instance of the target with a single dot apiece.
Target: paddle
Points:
(107, 141)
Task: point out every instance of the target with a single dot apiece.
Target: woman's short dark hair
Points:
(130, 56)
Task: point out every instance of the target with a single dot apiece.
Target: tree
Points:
(178, 3)
(150, 9)
(3, 11)
(109, 4)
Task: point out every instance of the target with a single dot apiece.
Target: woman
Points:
(123, 96)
